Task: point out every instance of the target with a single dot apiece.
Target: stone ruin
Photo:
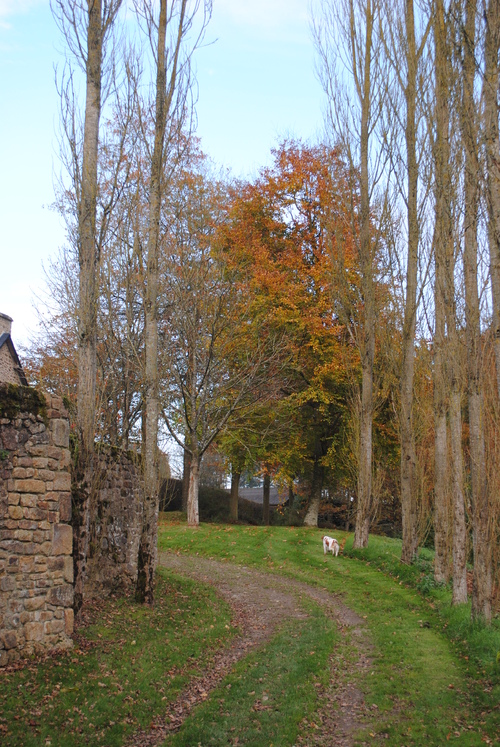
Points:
(36, 537)
(36, 532)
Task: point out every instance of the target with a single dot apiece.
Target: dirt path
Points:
(260, 603)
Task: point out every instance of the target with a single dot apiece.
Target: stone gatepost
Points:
(36, 537)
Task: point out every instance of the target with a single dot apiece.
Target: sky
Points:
(256, 86)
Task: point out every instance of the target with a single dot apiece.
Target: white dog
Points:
(330, 544)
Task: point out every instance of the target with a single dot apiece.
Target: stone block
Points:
(45, 548)
(61, 596)
(27, 565)
(34, 631)
(10, 438)
(45, 474)
(20, 473)
(60, 432)
(40, 462)
(29, 501)
(62, 481)
(29, 486)
(7, 583)
(34, 603)
(56, 564)
(69, 621)
(54, 626)
(15, 512)
(68, 573)
(35, 514)
(13, 499)
(65, 507)
(4, 658)
(23, 535)
(62, 542)
(38, 450)
(9, 639)
(27, 523)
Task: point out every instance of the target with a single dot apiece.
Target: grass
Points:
(127, 666)
(265, 699)
(427, 686)
(433, 678)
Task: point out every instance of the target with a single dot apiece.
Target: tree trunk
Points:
(409, 547)
(193, 512)
(185, 475)
(147, 551)
(441, 558)
(445, 286)
(492, 150)
(444, 297)
(233, 500)
(364, 504)
(265, 498)
(88, 296)
(458, 507)
(311, 517)
(367, 341)
(482, 580)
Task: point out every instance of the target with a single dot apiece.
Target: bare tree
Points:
(482, 579)
(86, 27)
(168, 34)
(491, 137)
(405, 37)
(349, 49)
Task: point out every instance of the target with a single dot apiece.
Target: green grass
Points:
(433, 678)
(269, 693)
(427, 686)
(129, 664)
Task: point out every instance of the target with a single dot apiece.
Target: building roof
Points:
(5, 339)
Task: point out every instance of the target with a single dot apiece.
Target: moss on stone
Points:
(15, 400)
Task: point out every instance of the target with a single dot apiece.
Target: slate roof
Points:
(5, 339)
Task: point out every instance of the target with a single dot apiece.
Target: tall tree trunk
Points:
(147, 548)
(233, 500)
(491, 84)
(265, 498)
(458, 505)
(367, 341)
(482, 578)
(88, 296)
(408, 488)
(445, 249)
(445, 348)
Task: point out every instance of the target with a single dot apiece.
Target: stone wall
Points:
(36, 537)
(115, 523)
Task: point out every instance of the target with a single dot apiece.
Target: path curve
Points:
(260, 602)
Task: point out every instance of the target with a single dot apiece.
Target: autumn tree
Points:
(214, 362)
(280, 233)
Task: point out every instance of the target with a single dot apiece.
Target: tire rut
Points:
(260, 602)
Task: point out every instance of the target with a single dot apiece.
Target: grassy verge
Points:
(127, 666)
(424, 686)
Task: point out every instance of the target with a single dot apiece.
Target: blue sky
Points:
(256, 86)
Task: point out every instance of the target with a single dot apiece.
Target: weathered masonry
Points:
(36, 537)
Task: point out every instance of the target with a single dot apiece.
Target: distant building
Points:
(11, 371)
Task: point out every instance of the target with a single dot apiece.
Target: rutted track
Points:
(261, 602)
